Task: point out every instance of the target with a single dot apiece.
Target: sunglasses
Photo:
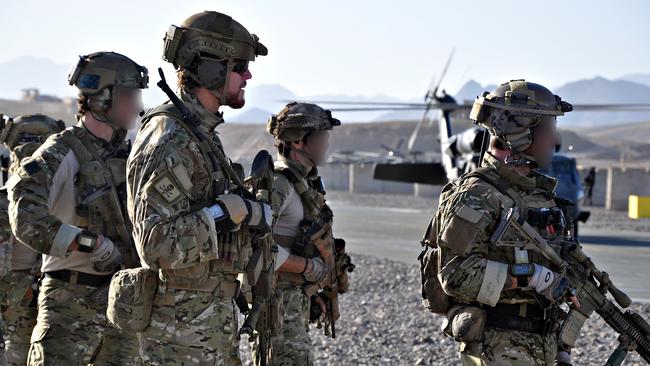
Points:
(240, 67)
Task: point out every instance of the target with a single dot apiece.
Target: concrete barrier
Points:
(599, 195)
(623, 182)
(611, 189)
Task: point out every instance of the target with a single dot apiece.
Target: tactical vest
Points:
(315, 210)
(531, 206)
(235, 248)
(100, 190)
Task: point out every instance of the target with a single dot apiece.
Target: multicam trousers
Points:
(190, 328)
(510, 348)
(71, 329)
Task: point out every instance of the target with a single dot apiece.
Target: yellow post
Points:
(639, 207)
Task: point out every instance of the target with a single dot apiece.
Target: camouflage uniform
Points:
(298, 202)
(73, 188)
(193, 319)
(71, 324)
(496, 324)
(180, 183)
(293, 345)
(19, 286)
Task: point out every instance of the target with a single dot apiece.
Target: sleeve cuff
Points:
(281, 257)
(494, 279)
(62, 240)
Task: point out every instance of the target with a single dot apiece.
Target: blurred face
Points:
(316, 146)
(235, 93)
(127, 105)
(545, 138)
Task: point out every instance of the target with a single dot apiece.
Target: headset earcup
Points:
(212, 73)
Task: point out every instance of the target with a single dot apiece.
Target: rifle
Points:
(260, 271)
(590, 285)
(330, 294)
(215, 155)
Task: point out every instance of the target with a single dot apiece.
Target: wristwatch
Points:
(522, 271)
(86, 241)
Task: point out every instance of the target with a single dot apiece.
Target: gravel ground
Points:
(384, 323)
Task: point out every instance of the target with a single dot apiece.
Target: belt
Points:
(528, 318)
(79, 278)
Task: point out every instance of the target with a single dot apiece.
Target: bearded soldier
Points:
(503, 304)
(191, 221)
(303, 225)
(67, 202)
(22, 136)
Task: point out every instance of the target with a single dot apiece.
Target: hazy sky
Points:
(359, 47)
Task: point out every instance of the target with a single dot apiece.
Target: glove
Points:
(317, 272)
(231, 211)
(260, 216)
(548, 283)
(106, 257)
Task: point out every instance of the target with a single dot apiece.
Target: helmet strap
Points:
(306, 155)
(221, 95)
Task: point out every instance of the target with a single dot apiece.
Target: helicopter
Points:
(462, 151)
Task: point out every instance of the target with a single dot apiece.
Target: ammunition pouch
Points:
(570, 328)
(465, 323)
(130, 299)
(13, 288)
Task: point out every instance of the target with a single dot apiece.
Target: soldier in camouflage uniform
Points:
(18, 288)
(503, 301)
(190, 224)
(302, 134)
(67, 202)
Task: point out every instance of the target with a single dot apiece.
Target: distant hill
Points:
(601, 90)
(263, 100)
(34, 72)
(637, 78)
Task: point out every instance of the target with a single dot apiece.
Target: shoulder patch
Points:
(179, 171)
(31, 166)
(168, 188)
(469, 214)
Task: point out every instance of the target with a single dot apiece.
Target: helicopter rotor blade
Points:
(444, 71)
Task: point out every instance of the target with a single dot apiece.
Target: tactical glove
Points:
(548, 283)
(106, 257)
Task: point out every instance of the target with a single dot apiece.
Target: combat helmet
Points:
(28, 129)
(514, 109)
(297, 120)
(209, 45)
(97, 74)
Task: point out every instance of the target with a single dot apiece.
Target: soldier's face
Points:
(127, 104)
(316, 146)
(235, 93)
(545, 138)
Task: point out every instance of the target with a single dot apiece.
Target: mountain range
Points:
(263, 100)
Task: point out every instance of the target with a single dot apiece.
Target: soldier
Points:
(67, 202)
(19, 287)
(302, 134)
(503, 303)
(190, 222)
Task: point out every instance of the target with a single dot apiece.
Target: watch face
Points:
(86, 241)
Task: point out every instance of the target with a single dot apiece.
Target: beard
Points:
(237, 100)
